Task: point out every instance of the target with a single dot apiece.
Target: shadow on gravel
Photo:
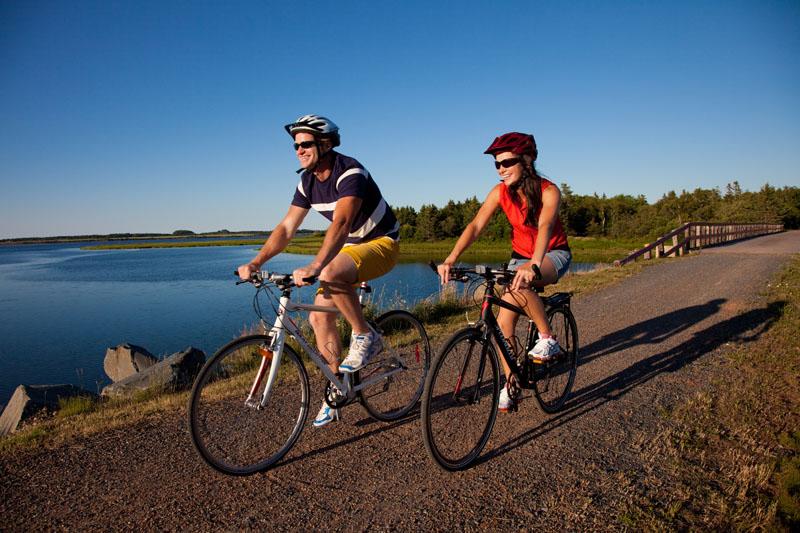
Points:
(382, 426)
(652, 331)
(743, 328)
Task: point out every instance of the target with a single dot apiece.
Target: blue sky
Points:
(156, 116)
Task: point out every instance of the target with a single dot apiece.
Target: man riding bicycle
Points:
(360, 244)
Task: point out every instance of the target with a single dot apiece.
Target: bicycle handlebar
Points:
(259, 277)
(501, 274)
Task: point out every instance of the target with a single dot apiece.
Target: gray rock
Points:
(28, 400)
(175, 372)
(126, 360)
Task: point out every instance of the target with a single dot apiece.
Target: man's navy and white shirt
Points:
(349, 178)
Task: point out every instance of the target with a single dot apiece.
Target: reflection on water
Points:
(61, 307)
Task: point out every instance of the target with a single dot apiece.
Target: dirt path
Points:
(645, 344)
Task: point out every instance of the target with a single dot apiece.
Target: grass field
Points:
(584, 249)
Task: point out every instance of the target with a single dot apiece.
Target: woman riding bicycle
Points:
(531, 203)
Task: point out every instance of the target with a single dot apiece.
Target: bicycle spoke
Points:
(460, 402)
(403, 363)
(231, 429)
(553, 381)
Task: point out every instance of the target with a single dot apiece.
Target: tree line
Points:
(621, 216)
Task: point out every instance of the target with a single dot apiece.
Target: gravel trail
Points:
(645, 344)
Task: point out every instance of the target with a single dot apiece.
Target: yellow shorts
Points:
(375, 258)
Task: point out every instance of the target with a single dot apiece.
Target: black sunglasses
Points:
(305, 145)
(506, 163)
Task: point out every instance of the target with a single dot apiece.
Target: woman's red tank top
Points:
(523, 237)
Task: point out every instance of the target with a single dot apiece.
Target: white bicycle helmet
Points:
(316, 125)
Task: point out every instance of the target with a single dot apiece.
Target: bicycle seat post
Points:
(363, 289)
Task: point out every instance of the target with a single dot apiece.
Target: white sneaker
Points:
(362, 349)
(504, 404)
(545, 349)
(326, 415)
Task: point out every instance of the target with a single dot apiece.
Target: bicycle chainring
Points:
(334, 397)
(514, 391)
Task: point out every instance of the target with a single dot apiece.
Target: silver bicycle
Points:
(250, 401)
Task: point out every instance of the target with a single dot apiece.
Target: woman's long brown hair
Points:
(531, 186)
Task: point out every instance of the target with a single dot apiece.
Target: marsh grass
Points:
(584, 249)
(441, 314)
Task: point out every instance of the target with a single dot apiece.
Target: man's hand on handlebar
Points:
(305, 275)
(246, 271)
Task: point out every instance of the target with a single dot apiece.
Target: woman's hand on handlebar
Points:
(444, 272)
(524, 277)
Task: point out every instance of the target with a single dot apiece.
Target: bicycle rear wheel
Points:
(552, 382)
(399, 370)
(241, 439)
(459, 405)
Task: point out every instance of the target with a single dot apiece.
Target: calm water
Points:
(61, 307)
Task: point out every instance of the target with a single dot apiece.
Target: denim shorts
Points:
(561, 260)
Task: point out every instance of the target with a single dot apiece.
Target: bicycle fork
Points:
(464, 368)
(270, 357)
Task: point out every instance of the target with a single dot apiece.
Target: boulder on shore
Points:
(28, 400)
(175, 372)
(126, 360)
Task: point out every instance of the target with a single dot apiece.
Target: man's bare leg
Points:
(337, 280)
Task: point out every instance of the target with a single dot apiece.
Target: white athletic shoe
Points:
(362, 349)
(544, 350)
(326, 415)
(504, 404)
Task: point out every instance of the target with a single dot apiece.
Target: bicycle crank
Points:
(335, 398)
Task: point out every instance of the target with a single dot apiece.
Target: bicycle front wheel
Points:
(398, 372)
(239, 436)
(552, 382)
(459, 405)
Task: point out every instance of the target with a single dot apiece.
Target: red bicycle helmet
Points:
(518, 143)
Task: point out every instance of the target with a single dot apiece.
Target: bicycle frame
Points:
(283, 325)
(493, 328)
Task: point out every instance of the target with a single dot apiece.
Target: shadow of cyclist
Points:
(652, 331)
(744, 328)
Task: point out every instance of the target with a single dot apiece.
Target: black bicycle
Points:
(459, 403)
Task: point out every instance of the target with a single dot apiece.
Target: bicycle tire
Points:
(405, 345)
(552, 382)
(237, 439)
(459, 404)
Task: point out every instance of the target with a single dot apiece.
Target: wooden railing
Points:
(696, 235)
